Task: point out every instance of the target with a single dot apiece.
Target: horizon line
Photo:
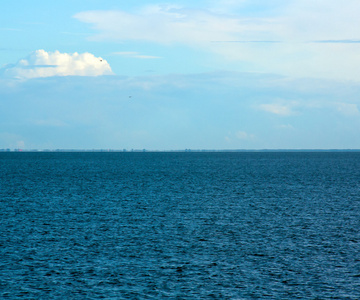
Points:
(6, 150)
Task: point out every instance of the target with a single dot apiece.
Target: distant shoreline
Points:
(170, 151)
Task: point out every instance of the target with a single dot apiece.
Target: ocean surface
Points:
(257, 225)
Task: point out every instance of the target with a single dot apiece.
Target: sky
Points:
(227, 74)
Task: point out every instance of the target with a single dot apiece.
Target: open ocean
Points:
(198, 225)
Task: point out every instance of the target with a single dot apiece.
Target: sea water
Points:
(258, 225)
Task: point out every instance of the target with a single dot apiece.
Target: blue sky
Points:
(230, 74)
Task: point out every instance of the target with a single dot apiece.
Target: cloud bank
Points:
(47, 64)
(167, 24)
(294, 38)
(297, 21)
(217, 110)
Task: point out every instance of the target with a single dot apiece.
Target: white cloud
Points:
(47, 64)
(313, 20)
(167, 24)
(300, 27)
(277, 109)
(297, 21)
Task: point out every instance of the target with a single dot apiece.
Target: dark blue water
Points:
(180, 225)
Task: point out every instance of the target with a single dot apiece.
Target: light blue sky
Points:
(230, 74)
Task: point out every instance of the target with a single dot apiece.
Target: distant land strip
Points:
(180, 150)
